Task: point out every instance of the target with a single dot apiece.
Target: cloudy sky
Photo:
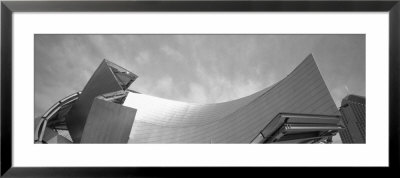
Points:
(196, 68)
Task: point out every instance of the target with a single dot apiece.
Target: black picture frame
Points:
(8, 7)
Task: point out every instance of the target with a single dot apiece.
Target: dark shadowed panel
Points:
(102, 81)
(108, 122)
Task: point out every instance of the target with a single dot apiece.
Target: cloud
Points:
(220, 88)
(338, 93)
(163, 87)
(245, 89)
(197, 93)
(142, 58)
(63, 65)
(172, 53)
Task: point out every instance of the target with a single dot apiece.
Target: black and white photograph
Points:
(161, 88)
(199, 88)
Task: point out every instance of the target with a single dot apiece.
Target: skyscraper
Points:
(353, 117)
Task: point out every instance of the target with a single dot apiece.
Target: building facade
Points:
(353, 115)
(297, 109)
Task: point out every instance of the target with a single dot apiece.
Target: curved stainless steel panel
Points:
(239, 121)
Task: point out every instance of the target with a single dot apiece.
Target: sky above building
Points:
(196, 68)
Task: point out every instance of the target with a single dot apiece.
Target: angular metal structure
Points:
(107, 78)
(299, 128)
(297, 109)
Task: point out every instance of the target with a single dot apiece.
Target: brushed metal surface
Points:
(108, 122)
(239, 121)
